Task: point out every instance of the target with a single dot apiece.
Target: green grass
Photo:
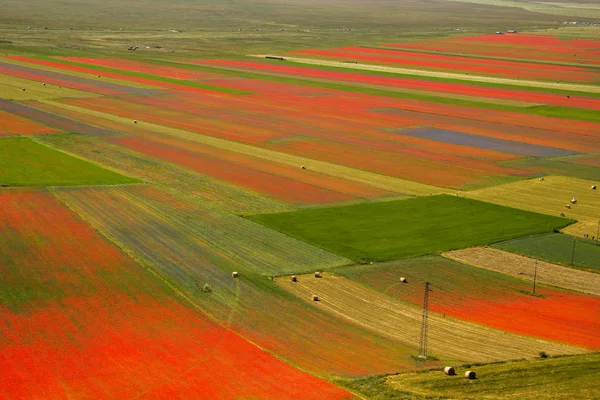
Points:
(408, 228)
(556, 166)
(24, 162)
(557, 248)
(551, 378)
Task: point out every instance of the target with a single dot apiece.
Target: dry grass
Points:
(380, 181)
(446, 75)
(550, 197)
(401, 321)
(522, 267)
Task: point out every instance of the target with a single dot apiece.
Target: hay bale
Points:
(403, 280)
(315, 297)
(135, 121)
(568, 206)
(470, 375)
(318, 274)
(293, 278)
(449, 371)
(303, 166)
(562, 214)
(541, 179)
(593, 187)
(574, 200)
(234, 274)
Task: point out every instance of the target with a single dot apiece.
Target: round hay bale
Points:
(449, 371)
(234, 274)
(403, 280)
(573, 200)
(135, 121)
(318, 274)
(568, 206)
(315, 297)
(23, 89)
(541, 179)
(562, 214)
(470, 375)
(303, 167)
(293, 278)
(593, 187)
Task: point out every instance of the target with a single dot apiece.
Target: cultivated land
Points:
(523, 267)
(399, 100)
(450, 338)
(561, 249)
(24, 162)
(407, 228)
(483, 297)
(571, 377)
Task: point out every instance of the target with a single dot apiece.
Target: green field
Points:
(557, 248)
(573, 377)
(408, 228)
(24, 162)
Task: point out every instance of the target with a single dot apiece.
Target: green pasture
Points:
(557, 248)
(554, 378)
(557, 166)
(408, 228)
(24, 162)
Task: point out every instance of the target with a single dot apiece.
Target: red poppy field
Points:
(127, 288)
(105, 328)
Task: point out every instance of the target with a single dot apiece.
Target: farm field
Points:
(24, 162)
(523, 267)
(484, 297)
(193, 246)
(13, 125)
(449, 338)
(550, 196)
(557, 248)
(94, 305)
(522, 379)
(407, 228)
(166, 169)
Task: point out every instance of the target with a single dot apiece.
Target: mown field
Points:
(407, 228)
(147, 178)
(573, 376)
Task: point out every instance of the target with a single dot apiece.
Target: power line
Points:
(424, 324)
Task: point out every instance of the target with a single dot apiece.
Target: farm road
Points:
(77, 79)
(51, 120)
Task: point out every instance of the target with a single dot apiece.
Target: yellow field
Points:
(522, 267)
(12, 89)
(398, 320)
(392, 184)
(550, 196)
(449, 75)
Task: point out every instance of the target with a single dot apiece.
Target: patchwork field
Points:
(177, 193)
(105, 328)
(407, 228)
(449, 338)
(484, 297)
(528, 268)
(24, 162)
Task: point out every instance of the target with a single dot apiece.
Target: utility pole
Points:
(424, 324)
(534, 275)
(573, 251)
